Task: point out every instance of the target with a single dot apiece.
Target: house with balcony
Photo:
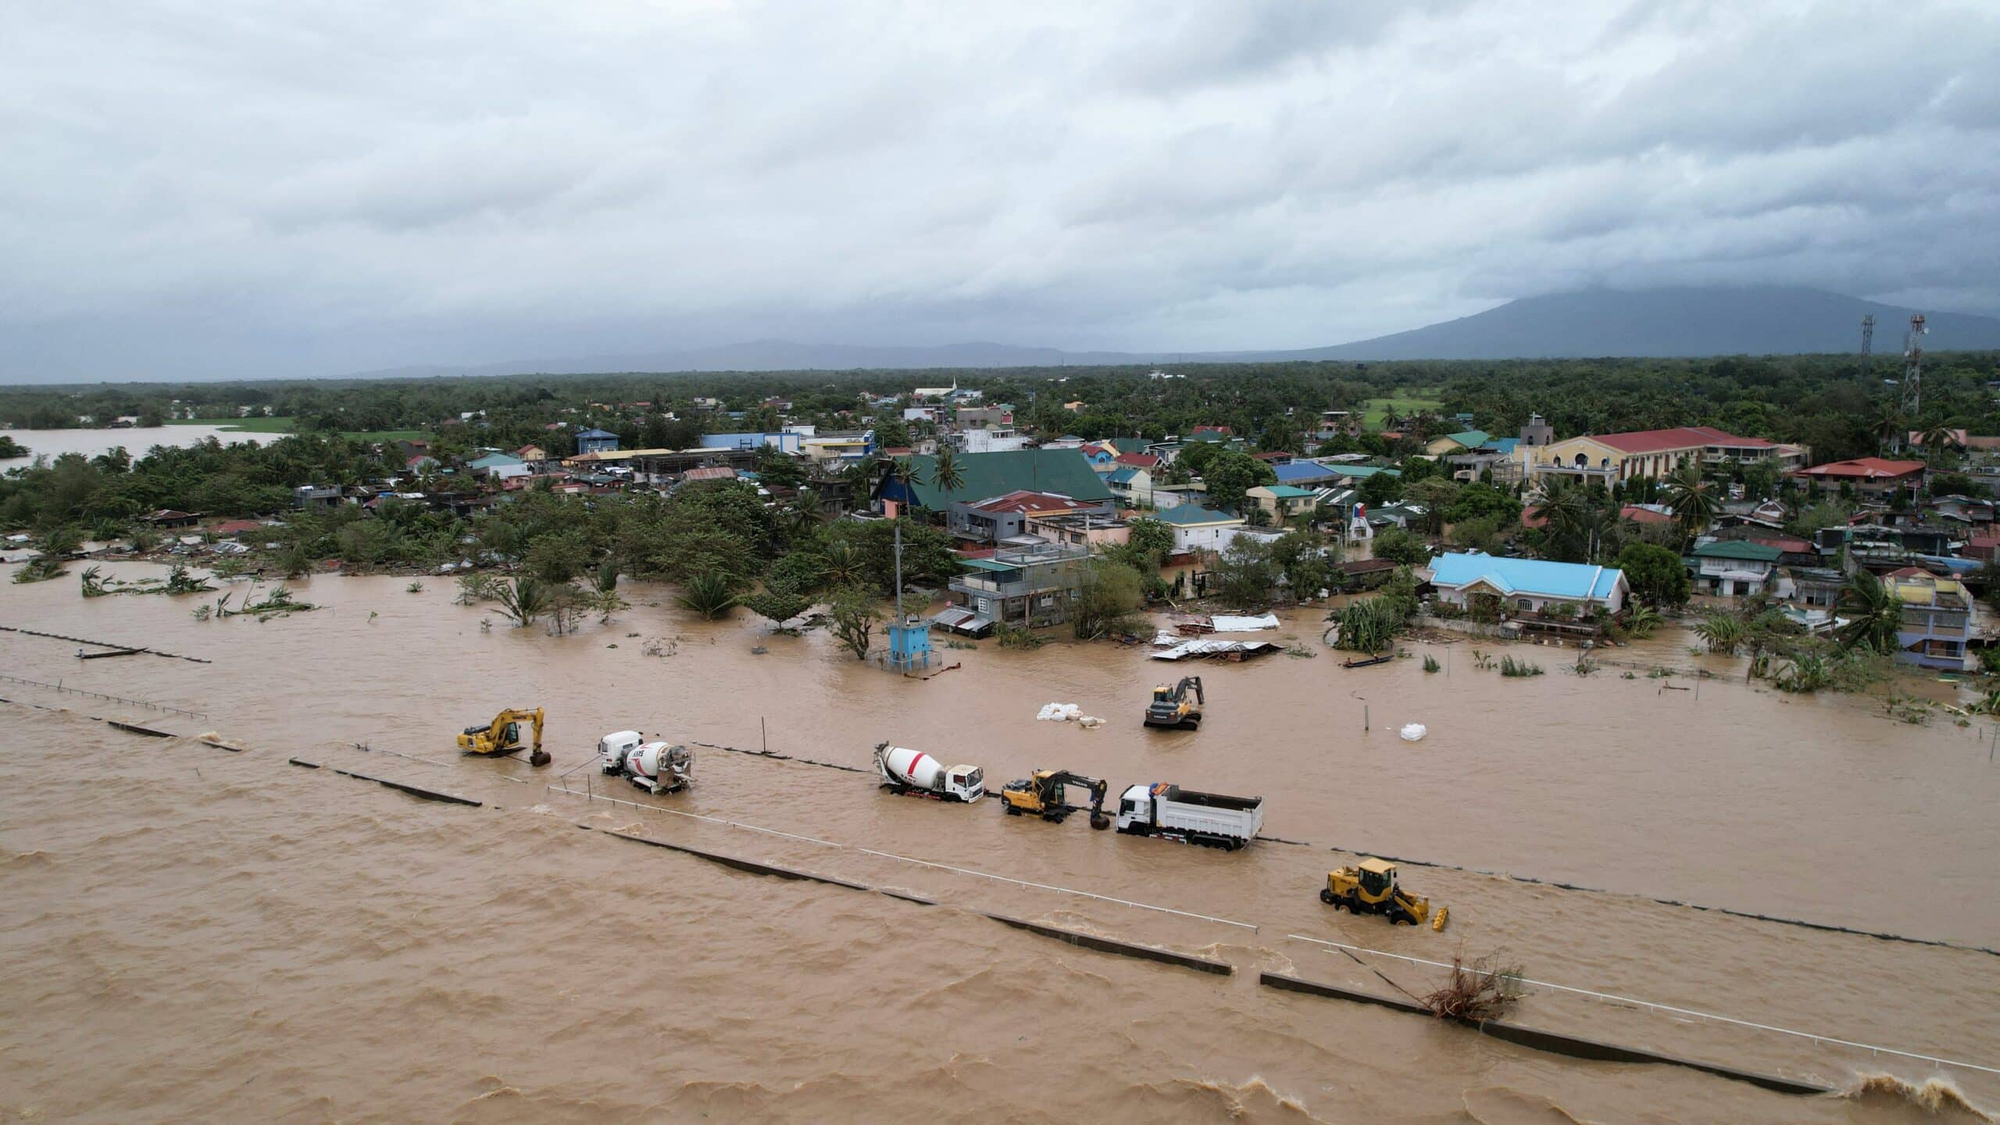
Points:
(1533, 586)
(1936, 618)
(596, 441)
(1089, 529)
(1027, 585)
(1735, 567)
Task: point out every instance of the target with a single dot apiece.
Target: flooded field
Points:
(204, 933)
(135, 440)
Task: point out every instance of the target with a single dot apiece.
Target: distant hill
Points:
(1765, 320)
(1593, 323)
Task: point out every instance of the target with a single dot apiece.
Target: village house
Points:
(1871, 478)
(317, 497)
(1131, 485)
(1935, 618)
(1735, 567)
(1284, 502)
(1304, 473)
(1029, 586)
(1528, 585)
(596, 441)
(997, 519)
(1199, 529)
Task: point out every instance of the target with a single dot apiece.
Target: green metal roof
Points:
(1738, 549)
(1471, 439)
(989, 564)
(985, 475)
(1287, 491)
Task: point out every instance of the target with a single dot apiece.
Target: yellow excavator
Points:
(1171, 708)
(1370, 888)
(1041, 794)
(503, 736)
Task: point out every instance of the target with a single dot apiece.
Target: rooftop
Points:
(1026, 500)
(1864, 468)
(1679, 437)
(1526, 576)
(1189, 515)
(1287, 492)
(1739, 549)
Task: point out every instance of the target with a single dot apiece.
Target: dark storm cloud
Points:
(253, 188)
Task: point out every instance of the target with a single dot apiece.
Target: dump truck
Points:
(1370, 887)
(1209, 819)
(1170, 708)
(657, 767)
(917, 774)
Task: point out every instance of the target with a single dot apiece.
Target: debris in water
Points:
(755, 650)
(1479, 991)
(1412, 732)
(1069, 713)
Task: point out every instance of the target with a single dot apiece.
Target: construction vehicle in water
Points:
(1043, 793)
(1170, 708)
(1209, 819)
(917, 774)
(657, 767)
(1370, 887)
(503, 736)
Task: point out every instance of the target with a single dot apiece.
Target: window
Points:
(1524, 604)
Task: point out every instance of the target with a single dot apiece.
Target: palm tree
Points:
(904, 472)
(844, 566)
(1721, 632)
(1937, 437)
(1874, 613)
(945, 473)
(1891, 426)
(709, 595)
(1691, 498)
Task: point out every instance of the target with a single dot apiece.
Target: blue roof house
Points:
(1528, 585)
(596, 441)
(1304, 474)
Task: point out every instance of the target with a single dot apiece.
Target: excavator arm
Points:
(493, 740)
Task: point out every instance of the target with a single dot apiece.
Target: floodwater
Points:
(136, 440)
(194, 933)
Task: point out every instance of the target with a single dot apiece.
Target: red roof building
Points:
(1637, 514)
(1139, 460)
(236, 527)
(1034, 503)
(1873, 477)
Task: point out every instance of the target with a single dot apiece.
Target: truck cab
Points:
(967, 783)
(613, 747)
(1135, 806)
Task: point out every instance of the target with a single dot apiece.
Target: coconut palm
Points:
(1891, 426)
(946, 473)
(844, 566)
(1874, 613)
(1692, 498)
(1937, 438)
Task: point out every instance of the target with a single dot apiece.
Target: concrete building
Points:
(1029, 586)
(1735, 567)
(1284, 502)
(1936, 617)
(1611, 458)
(997, 519)
(1199, 529)
(1872, 478)
(596, 441)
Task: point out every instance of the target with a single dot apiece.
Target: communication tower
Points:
(1867, 343)
(1913, 367)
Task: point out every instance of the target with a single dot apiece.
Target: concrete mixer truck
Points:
(657, 767)
(917, 774)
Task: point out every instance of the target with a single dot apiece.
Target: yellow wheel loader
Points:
(1370, 888)
(503, 736)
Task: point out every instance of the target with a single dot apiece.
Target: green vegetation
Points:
(1377, 410)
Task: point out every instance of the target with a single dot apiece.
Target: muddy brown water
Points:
(198, 934)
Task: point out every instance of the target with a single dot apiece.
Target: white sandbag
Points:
(1059, 712)
(1412, 732)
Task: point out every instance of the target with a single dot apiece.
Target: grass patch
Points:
(1376, 409)
(284, 426)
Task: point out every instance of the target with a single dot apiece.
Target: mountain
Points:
(1763, 320)
(781, 355)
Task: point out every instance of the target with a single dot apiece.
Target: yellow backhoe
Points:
(1370, 888)
(1042, 794)
(503, 736)
(1172, 710)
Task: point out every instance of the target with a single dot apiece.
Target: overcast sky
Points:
(229, 188)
